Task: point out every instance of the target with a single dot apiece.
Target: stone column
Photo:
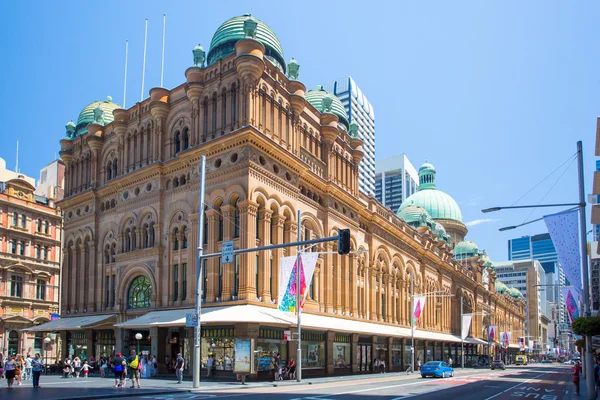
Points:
(248, 210)
(228, 221)
(329, 352)
(279, 221)
(372, 293)
(379, 283)
(328, 278)
(91, 273)
(191, 258)
(66, 281)
(353, 286)
(354, 352)
(264, 257)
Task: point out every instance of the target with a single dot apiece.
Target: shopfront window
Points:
(437, 351)
(105, 343)
(341, 355)
(313, 350)
(397, 353)
(269, 343)
(218, 342)
(407, 354)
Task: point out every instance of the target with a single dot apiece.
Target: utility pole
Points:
(298, 308)
(589, 360)
(198, 292)
(412, 322)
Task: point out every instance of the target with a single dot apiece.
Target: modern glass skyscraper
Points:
(540, 248)
(395, 180)
(360, 111)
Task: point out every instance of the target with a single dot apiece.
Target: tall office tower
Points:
(540, 248)
(395, 180)
(360, 111)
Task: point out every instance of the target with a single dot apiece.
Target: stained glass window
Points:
(140, 292)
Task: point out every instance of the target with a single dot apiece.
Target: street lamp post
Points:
(138, 337)
(47, 341)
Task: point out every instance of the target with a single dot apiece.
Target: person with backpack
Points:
(134, 369)
(119, 366)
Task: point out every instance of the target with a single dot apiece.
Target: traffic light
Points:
(344, 241)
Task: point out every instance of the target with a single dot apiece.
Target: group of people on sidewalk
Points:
(19, 368)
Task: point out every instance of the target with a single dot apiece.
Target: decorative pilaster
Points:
(248, 210)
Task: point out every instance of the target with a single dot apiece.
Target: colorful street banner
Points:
(287, 280)
(571, 303)
(419, 305)
(492, 333)
(505, 339)
(564, 231)
(530, 344)
(466, 325)
(286, 265)
(522, 343)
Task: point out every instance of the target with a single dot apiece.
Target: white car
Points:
(569, 362)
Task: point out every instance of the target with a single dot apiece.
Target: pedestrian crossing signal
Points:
(344, 241)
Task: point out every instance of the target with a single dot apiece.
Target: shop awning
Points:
(71, 323)
(272, 316)
(473, 340)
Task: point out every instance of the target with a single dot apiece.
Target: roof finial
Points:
(250, 25)
(293, 69)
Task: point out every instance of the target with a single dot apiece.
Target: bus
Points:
(521, 359)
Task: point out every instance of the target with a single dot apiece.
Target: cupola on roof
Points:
(224, 40)
(465, 249)
(315, 98)
(97, 112)
(437, 203)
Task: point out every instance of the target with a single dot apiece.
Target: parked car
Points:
(439, 369)
(569, 362)
(521, 359)
(546, 361)
(498, 364)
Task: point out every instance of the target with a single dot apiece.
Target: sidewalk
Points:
(53, 387)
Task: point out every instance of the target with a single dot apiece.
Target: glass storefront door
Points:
(363, 356)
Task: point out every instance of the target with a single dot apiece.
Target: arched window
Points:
(149, 145)
(184, 243)
(220, 227)
(107, 254)
(233, 106)
(108, 171)
(113, 252)
(46, 227)
(140, 293)
(186, 139)
(39, 225)
(175, 239)
(214, 114)
(13, 342)
(177, 142)
(205, 234)
(114, 168)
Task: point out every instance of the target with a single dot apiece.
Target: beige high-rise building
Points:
(273, 149)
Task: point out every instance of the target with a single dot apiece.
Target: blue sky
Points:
(494, 93)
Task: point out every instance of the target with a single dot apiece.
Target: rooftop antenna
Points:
(144, 64)
(17, 166)
(125, 79)
(162, 62)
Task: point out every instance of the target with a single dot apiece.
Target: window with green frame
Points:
(140, 293)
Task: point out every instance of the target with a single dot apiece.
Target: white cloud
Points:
(481, 221)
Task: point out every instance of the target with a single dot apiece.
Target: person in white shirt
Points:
(28, 368)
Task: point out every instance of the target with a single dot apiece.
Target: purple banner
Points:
(564, 231)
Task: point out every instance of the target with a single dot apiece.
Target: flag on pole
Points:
(466, 325)
(564, 231)
(309, 262)
(571, 303)
(522, 343)
(505, 339)
(492, 333)
(419, 304)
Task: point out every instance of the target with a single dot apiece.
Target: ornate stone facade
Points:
(131, 213)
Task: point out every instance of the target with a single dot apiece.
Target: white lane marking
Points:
(514, 386)
(494, 387)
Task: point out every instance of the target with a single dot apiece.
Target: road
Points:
(544, 382)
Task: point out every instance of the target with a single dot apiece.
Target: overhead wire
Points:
(571, 158)
(551, 187)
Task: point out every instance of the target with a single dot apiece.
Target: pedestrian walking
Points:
(576, 376)
(10, 368)
(37, 366)
(103, 368)
(119, 366)
(382, 366)
(20, 369)
(153, 365)
(450, 361)
(28, 368)
(209, 365)
(418, 364)
(77, 366)
(179, 364)
(86, 369)
(134, 369)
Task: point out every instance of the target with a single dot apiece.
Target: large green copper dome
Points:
(437, 203)
(86, 116)
(315, 97)
(224, 40)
